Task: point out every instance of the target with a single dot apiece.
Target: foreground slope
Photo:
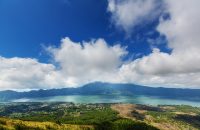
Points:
(13, 124)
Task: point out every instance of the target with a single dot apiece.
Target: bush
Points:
(127, 124)
(24, 127)
(124, 124)
(3, 127)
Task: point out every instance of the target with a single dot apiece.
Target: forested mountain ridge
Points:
(99, 88)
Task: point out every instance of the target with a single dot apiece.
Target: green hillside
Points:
(70, 116)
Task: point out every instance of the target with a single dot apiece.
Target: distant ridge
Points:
(99, 88)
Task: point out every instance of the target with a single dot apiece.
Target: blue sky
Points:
(66, 43)
(26, 25)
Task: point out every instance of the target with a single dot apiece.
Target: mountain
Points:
(99, 88)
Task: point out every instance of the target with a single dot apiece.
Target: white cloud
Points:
(183, 29)
(181, 68)
(81, 63)
(126, 14)
(26, 73)
(88, 61)
(162, 69)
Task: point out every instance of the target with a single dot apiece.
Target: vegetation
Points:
(163, 117)
(10, 124)
(70, 116)
(128, 124)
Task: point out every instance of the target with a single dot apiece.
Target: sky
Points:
(47, 44)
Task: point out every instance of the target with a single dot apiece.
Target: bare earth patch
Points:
(124, 110)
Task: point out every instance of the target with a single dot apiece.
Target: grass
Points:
(11, 124)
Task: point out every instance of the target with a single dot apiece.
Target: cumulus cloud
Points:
(162, 69)
(95, 60)
(126, 14)
(182, 66)
(88, 61)
(79, 63)
(25, 73)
